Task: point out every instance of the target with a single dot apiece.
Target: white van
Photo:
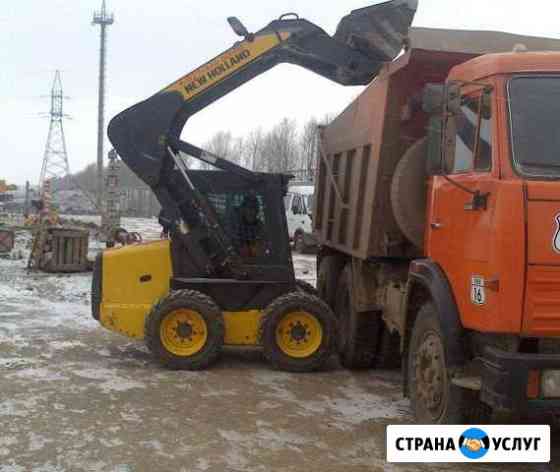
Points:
(299, 206)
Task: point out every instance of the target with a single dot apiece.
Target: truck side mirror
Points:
(238, 27)
(433, 97)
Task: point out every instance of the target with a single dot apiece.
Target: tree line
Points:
(284, 148)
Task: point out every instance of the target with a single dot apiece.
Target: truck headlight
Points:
(550, 383)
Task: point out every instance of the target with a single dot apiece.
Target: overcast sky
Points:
(152, 43)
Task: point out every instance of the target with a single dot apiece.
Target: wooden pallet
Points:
(60, 249)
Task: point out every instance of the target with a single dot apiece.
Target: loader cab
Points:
(251, 214)
(494, 192)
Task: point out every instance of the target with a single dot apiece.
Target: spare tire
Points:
(408, 192)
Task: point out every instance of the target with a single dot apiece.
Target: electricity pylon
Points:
(55, 159)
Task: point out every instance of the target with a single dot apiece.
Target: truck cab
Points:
(494, 213)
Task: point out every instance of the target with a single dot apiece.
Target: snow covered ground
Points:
(74, 397)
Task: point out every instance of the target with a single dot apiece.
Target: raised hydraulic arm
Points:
(364, 40)
(147, 135)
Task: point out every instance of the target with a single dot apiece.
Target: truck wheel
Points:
(185, 330)
(433, 398)
(358, 333)
(389, 352)
(298, 332)
(306, 287)
(327, 278)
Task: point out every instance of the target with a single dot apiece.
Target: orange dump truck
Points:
(438, 215)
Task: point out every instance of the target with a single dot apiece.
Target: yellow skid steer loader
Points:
(225, 275)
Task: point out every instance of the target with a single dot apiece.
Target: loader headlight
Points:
(550, 383)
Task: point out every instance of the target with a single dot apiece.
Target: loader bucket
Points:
(378, 31)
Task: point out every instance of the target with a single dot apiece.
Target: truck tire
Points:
(433, 398)
(185, 330)
(298, 332)
(408, 192)
(327, 278)
(358, 333)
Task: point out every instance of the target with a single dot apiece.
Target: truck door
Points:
(460, 234)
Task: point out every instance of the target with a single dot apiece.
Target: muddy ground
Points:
(74, 397)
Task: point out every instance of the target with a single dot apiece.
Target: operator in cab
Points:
(248, 231)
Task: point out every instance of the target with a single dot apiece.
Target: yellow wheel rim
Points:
(299, 334)
(183, 332)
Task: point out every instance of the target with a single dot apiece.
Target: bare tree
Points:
(253, 148)
(224, 145)
(309, 146)
(237, 151)
(280, 147)
(220, 145)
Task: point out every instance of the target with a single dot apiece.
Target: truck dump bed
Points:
(360, 149)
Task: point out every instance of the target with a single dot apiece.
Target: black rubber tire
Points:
(454, 400)
(328, 273)
(290, 302)
(299, 243)
(306, 287)
(389, 351)
(358, 332)
(205, 307)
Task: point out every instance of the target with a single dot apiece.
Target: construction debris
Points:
(7, 239)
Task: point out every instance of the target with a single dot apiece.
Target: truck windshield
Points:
(535, 112)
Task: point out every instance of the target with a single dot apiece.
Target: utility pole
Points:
(27, 200)
(103, 19)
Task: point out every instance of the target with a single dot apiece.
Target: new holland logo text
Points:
(216, 70)
(455, 443)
